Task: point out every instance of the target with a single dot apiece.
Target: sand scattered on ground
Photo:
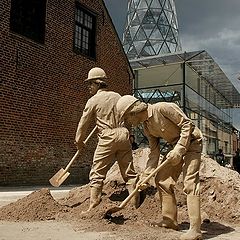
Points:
(220, 202)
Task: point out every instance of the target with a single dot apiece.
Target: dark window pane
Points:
(28, 18)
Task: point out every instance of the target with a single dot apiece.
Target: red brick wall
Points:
(43, 95)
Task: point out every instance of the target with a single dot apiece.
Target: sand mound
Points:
(38, 205)
(220, 201)
(220, 191)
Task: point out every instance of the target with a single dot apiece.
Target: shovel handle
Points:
(124, 203)
(90, 134)
(156, 170)
(77, 153)
(71, 161)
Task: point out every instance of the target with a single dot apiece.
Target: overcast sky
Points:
(211, 25)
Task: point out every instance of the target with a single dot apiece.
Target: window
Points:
(28, 18)
(85, 32)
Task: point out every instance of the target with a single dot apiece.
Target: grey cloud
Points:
(211, 25)
(206, 17)
(118, 12)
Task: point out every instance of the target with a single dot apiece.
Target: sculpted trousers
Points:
(166, 179)
(113, 145)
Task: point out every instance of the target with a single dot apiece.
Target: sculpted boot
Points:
(194, 232)
(95, 198)
(169, 212)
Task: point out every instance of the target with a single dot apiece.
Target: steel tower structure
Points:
(151, 28)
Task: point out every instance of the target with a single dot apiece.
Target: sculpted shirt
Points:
(167, 121)
(100, 107)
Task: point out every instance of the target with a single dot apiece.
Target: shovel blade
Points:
(110, 211)
(59, 178)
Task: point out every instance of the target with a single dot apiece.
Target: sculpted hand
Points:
(176, 155)
(80, 145)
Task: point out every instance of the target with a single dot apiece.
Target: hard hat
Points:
(96, 73)
(124, 103)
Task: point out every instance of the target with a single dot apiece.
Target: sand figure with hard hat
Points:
(113, 139)
(167, 121)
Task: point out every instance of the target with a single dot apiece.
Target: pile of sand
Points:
(220, 191)
(38, 205)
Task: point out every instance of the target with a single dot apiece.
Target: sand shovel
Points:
(62, 174)
(138, 188)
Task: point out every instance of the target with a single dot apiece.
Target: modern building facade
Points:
(164, 73)
(46, 51)
(197, 84)
(151, 28)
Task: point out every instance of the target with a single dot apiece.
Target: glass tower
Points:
(151, 28)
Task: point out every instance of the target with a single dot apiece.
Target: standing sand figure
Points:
(113, 140)
(167, 121)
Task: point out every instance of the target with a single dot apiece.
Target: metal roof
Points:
(202, 63)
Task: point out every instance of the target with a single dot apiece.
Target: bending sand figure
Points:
(167, 121)
(113, 140)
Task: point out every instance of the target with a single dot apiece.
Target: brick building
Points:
(46, 51)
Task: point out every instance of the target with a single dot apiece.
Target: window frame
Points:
(87, 42)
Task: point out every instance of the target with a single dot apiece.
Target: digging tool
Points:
(138, 188)
(62, 174)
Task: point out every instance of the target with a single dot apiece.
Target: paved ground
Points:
(53, 230)
(49, 230)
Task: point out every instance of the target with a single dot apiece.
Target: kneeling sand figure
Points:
(167, 121)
